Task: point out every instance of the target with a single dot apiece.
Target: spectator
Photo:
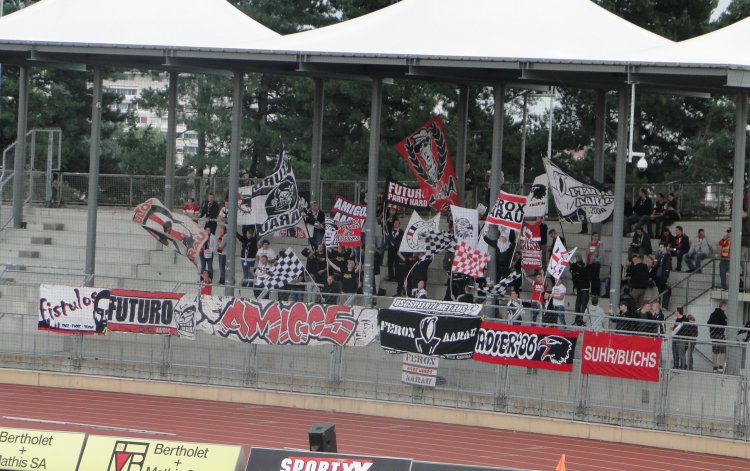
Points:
(746, 340)
(515, 308)
(206, 252)
(624, 316)
(690, 331)
(261, 272)
(681, 246)
(265, 249)
(247, 254)
(658, 315)
(549, 315)
(224, 213)
(206, 281)
(581, 285)
(717, 322)
(639, 276)
(315, 219)
(670, 211)
(404, 264)
(331, 290)
(642, 207)
(679, 344)
(392, 243)
(419, 272)
(391, 217)
(661, 274)
(656, 217)
(469, 186)
(419, 292)
(667, 238)
(504, 250)
(221, 245)
(191, 209)
(542, 239)
(700, 249)
(595, 314)
(537, 294)
(725, 248)
(593, 263)
(316, 263)
(467, 296)
(210, 211)
(641, 243)
(558, 300)
(350, 278)
(553, 240)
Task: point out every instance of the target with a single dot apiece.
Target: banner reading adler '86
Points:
(532, 347)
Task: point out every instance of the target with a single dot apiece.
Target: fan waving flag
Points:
(436, 242)
(426, 151)
(501, 287)
(508, 211)
(465, 225)
(559, 259)
(469, 261)
(286, 270)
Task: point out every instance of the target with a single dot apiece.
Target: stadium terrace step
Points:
(51, 226)
(41, 241)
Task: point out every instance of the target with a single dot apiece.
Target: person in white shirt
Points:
(699, 249)
(595, 315)
(265, 249)
(206, 253)
(419, 292)
(515, 308)
(558, 301)
(224, 213)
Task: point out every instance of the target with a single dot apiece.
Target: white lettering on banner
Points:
(350, 209)
(397, 330)
(507, 344)
(620, 357)
(436, 307)
(324, 464)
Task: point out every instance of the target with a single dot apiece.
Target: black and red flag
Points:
(426, 151)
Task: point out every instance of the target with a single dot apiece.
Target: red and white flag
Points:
(508, 211)
(469, 261)
(559, 259)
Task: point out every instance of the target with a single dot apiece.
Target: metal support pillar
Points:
(372, 189)
(48, 170)
(93, 191)
(600, 111)
(317, 140)
(463, 121)
(19, 162)
(171, 141)
(234, 181)
(496, 179)
(524, 132)
(734, 315)
(617, 219)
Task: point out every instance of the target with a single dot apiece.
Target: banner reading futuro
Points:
(621, 356)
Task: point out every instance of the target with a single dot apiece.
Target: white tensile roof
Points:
(501, 30)
(724, 47)
(204, 24)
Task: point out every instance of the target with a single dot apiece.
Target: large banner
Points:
(398, 194)
(68, 309)
(532, 347)
(573, 197)
(508, 211)
(274, 323)
(344, 210)
(426, 151)
(416, 231)
(450, 337)
(536, 203)
(465, 225)
(531, 251)
(274, 203)
(621, 356)
(343, 233)
(269, 459)
(173, 230)
(71, 310)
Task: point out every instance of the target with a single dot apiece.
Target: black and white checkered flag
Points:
(286, 270)
(436, 242)
(500, 288)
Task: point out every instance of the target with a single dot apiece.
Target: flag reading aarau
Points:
(572, 196)
(275, 200)
(426, 152)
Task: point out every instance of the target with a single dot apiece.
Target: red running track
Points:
(278, 427)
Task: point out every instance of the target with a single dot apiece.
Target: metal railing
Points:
(693, 400)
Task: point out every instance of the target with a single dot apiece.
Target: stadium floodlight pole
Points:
(738, 188)
(171, 140)
(317, 140)
(498, 123)
(617, 217)
(601, 123)
(19, 159)
(234, 181)
(372, 189)
(93, 191)
(463, 119)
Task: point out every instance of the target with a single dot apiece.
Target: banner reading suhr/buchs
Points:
(621, 356)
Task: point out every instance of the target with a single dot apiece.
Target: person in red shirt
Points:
(190, 209)
(537, 295)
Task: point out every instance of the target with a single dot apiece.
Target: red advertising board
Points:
(621, 356)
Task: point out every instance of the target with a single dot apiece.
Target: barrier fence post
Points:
(166, 355)
(335, 366)
(501, 391)
(48, 173)
(582, 391)
(251, 363)
(666, 376)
